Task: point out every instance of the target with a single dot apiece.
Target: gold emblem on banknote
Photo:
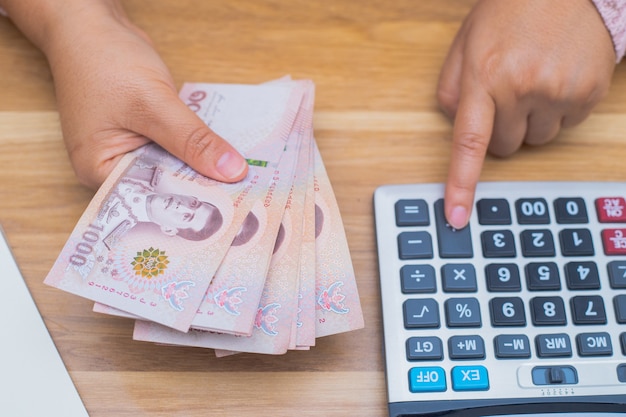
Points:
(150, 263)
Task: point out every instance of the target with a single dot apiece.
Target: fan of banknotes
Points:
(257, 266)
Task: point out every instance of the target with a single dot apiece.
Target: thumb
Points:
(171, 124)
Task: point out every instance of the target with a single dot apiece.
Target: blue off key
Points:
(470, 378)
(427, 379)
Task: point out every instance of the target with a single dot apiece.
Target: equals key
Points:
(452, 243)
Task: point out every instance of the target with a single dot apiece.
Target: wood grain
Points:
(375, 65)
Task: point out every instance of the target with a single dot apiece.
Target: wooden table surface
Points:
(376, 66)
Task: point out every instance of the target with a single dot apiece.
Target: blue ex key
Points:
(470, 378)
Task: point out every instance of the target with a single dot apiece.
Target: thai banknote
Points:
(275, 308)
(333, 305)
(156, 232)
(230, 305)
(272, 323)
(338, 308)
(305, 320)
(275, 311)
(111, 311)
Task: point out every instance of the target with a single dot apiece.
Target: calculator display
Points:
(521, 312)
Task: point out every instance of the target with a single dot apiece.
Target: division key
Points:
(453, 243)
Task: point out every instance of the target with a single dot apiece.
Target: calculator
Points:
(522, 312)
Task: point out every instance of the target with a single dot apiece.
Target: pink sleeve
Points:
(613, 13)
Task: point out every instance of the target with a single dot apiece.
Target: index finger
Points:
(473, 126)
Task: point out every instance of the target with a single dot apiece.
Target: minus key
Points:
(452, 243)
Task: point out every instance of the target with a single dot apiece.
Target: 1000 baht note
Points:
(230, 305)
(233, 296)
(277, 310)
(305, 320)
(155, 233)
(274, 311)
(338, 308)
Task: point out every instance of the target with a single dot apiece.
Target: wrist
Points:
(47, 23)
(613, 13)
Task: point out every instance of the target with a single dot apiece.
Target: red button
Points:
(614, 241)
(611, 209)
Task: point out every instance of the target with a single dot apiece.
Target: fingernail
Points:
(231, 165)
(458, 217)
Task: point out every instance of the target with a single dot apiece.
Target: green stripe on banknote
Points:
(256, 162)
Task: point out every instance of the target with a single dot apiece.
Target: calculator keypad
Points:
(527, 298)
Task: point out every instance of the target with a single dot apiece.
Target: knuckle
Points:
(471, 144)
(546, 137)
(143, 104)
(461, 186)
(494, 65)
(448, 100)
(200, 142)
(593, 94)
(503, 145)
(503, 150)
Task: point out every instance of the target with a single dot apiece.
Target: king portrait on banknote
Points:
(137, 200)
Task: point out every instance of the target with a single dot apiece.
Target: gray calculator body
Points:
(522, 312)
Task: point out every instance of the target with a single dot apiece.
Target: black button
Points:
(421, 313)
(570, 210)
(621, 372)
(617, 274)
(498, 244)
(493, 211)
(542, 276)
(537, 243)
(582, 276)
(418, 279)
(532, 211)
(512, 346)
(588, 309)
(594, 344)
(462, 312)
(619, 303)
(453, 243)
(553, 345)
(412, 213)
(576, 242)
(507, 311)
(459, 278)
(503, 277)
(415, 245)
(424, 348)
(548, 311)
(466, 347)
